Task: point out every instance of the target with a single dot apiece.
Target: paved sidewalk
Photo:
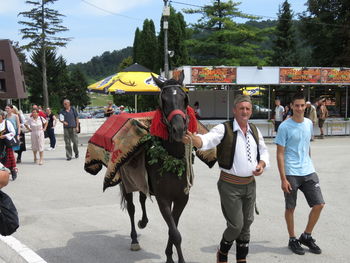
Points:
(65, 216)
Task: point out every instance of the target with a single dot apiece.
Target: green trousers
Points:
(70, 136)
(237, 204)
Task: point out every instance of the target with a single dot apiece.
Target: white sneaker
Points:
(49, 149)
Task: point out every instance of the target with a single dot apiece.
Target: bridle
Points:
(167, 119)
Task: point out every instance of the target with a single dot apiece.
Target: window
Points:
(2, 85)
(2, 65)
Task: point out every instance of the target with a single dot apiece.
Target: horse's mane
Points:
(171, 82)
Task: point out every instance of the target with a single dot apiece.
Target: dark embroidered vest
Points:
(226, 148)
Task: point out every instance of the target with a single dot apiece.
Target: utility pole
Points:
(166, 14)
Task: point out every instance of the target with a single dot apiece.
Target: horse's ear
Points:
(181, 78)
(158, 82)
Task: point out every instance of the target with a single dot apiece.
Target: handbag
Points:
(11, 143)
(9, 221)
(78, 128)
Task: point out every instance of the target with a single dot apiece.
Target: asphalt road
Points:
(65, 216)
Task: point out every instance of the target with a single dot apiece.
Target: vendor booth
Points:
(215, 87)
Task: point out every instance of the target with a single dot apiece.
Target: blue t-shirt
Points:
(295, 137)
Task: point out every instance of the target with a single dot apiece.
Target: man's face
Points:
(299, 107)
(66, 104)
(277, 102)
(242, 111)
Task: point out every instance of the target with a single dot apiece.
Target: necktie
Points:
(249, 155)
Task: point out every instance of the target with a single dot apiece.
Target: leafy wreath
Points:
(157, 154)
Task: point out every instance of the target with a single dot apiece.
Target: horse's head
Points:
(173, 102)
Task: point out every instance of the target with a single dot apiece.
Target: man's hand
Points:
(286, 187)
(196, 140)
(4, 178)
(65, 123)
(259, 170)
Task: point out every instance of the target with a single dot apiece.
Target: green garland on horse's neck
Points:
(157, 154)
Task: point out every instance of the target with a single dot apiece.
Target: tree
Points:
(284, 47)
(102, 66)
(77, 92)
(148, 55)
(41, 28)
(219, 40)
(176, 40)
(58, 81)
(126, 62)
(137, 46)
(325, 27)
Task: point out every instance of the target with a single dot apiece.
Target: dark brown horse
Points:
(167, 187)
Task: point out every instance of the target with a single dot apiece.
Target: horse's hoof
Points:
(141, 224)
(135, 247)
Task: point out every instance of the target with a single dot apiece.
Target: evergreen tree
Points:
(58, 82)
(137, 46)
(284, 48)
(77, 92)
(41, 28)
(219, 40)
(149, 47)
(176, 40)
(126, 62)
(325, 27)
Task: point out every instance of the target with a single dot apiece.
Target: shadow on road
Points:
(96, 246)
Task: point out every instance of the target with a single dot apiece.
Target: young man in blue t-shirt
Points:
(297, 172)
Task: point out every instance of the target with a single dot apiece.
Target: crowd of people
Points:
(40, 124)
(316, 112)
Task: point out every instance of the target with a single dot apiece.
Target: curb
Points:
(13, 251)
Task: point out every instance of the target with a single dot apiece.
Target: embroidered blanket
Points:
(117, 143)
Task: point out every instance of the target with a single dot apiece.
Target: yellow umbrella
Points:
(102, 85)
(253, 91)
(135, 79)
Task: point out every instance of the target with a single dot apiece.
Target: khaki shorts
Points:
(309, 185)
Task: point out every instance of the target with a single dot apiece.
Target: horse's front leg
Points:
(144, 220)
(131, 211)
(178, 208)
(174, 234)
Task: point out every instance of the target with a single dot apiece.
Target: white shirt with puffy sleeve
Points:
(241, 165)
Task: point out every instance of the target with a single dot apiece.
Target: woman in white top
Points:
(37, 125)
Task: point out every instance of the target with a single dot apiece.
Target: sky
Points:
(96, 26)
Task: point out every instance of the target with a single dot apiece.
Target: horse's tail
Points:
(122, 196)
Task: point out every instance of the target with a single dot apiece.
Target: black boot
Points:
(242, 249)
(14, 174)
(221, 255)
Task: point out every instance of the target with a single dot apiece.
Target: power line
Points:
(110, 12)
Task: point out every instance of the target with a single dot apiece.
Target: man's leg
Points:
(289, 217)
(75, 143)
(231, 205)
(312, 191)
(67, 141)
(291, 201)
(242, 243)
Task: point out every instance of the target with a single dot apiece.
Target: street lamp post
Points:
(166, 14)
